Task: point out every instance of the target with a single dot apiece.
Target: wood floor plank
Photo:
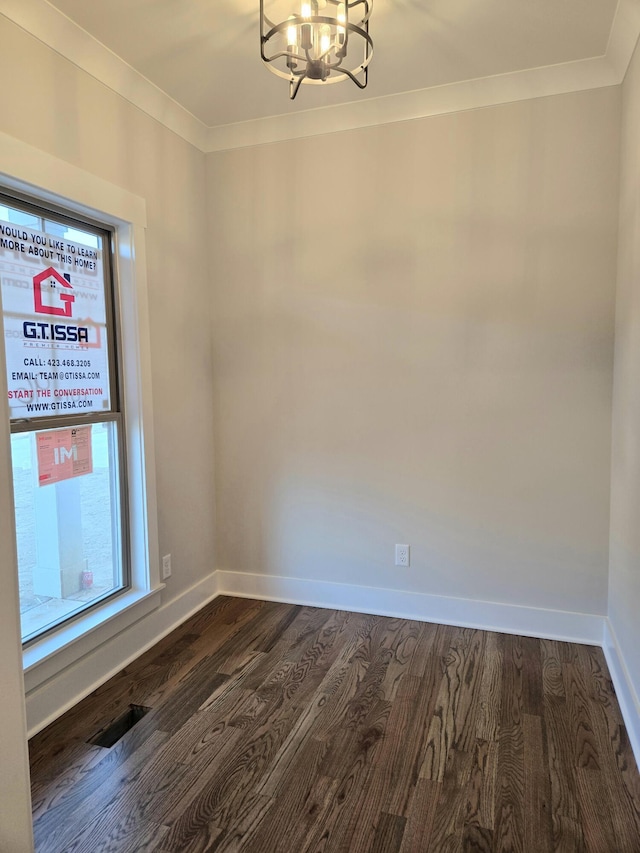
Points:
(399, 639)
(277, 630)
(617, 759)
(595, 812)
(510, 807)
(468, 701)
(538, 827)
(511, 705)
(297, 800)
(585, 749)
(340, 828)
(565, 812)
(552, 683)
(449, 725)
(532, 681)
(490, 691)
(413, 729)
(298, 812)
(238, 835)
(448, 829)
(328, 705)
(481, 790)
(277, 728)
(388, 834)
(195, 764)
(509, 827)
(394, 779)
(428, 648)
(421, 814)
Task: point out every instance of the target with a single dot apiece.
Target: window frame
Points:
(115, 414)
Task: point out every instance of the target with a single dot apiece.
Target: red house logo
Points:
(47, 288)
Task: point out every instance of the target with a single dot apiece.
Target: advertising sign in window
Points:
(63, 454)
(54, 308)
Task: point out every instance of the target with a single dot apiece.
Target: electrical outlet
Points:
(403, 555)
(166, 566)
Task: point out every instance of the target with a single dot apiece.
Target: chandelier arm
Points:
(337, 64)
(293, 88)
(352, 76)
(279, 55)
(330, 66)
(368, 6)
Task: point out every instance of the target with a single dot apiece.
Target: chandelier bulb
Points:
(292, 33)
(325, 40)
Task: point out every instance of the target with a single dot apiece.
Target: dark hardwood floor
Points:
(282, 728)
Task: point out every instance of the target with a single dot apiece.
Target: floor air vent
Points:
(114, 731)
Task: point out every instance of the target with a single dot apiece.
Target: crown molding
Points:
(454, 97)
(625, 31)
(54, 29)
(61, 34)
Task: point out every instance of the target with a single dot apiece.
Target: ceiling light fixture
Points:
(311, 46)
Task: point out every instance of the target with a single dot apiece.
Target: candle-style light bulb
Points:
(306, 37)
(341, 30)
(292, 33)
(325, 39)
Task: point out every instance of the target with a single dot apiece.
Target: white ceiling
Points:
(204, 55)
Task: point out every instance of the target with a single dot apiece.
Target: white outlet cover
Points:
(166, 566)
(403, 555)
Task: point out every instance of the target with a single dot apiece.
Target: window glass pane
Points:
(74, 234)
(55, 317)
(67, 520)
(19, 217)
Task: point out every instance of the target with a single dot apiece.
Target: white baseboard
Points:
(627, 697)
(64, 690)
(467, 613)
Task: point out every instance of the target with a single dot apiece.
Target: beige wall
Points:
(624, 581)
(413, 342)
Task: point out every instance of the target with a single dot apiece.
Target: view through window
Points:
(66, 421)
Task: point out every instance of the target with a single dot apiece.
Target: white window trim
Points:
(29, 170)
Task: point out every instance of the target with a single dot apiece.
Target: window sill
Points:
(50, 655)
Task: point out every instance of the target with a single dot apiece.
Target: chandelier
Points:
(311, 46)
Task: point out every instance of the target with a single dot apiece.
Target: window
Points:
(67, 421)
(82, 651)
